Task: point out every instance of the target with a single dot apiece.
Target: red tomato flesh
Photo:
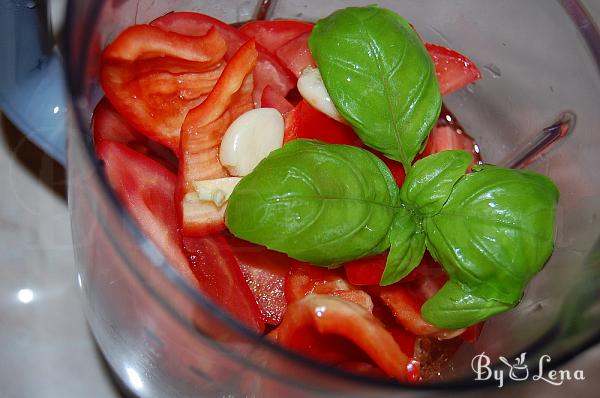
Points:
(220, 278)
(295, 54)
(310, 123)
(146, 190)
(108, 124)
(272, 99)
(274, 34)
(453, 70)
(265, 272)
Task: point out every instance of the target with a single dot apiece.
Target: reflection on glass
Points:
(25, 296)
(135, 381)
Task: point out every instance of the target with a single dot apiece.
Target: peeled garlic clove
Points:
(250, 139)
(216, 191)
(312, 89)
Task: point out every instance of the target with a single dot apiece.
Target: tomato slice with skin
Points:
(447, 137)
(368, 271)
(296, 55)
(146, 190)
(288, 40)
(272, 99)
(454, 71)
(201, 136)
(219, 275)
(472, 333)
(311, 123)
(405, 340)
(268, 72)
(153, 78)
(265, 272)
(307, 122)
(274, 34)
(108, 124)
(334, 316)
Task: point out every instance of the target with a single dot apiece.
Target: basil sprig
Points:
(491, 230)
(493, 234)
(320, 203)
(380, 78)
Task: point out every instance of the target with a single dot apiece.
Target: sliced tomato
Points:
(472, 333)
(304, 121)
(448, 134)
(295, 54)
(220, 278)
(153, 77)
(272, 99)
(108, 124)
(313, 124)
(405, 340)
(146, 189)
(454, 71)
(329, 315)
(291, 125)
(265, 272)
(369, 270)
(201, 136)
(268, 72)
(446, 137)
(366, 271)
(274, 34)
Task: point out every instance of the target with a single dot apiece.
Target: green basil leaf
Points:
(495, 231)
(380, 78)
(455, 307)
(320, 203)
(429, 182)
(407, 240)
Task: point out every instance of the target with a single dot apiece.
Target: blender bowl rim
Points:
(75, 71)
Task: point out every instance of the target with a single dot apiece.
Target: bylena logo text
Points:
(519, 371)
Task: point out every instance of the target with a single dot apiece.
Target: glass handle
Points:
(32, 84)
